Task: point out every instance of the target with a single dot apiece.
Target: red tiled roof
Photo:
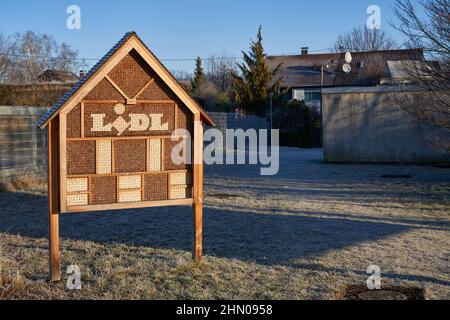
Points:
(368, 68)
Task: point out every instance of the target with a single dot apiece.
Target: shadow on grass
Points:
(362, 194)
(405, 221)
(262, 238)
(406, 277)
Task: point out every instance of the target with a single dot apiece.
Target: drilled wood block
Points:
(158, 90)
(103, 190)
(77, 185)
(185, 119)
(81, 157)
(77, 199)
(74, 123)
(180, 192)
(131, 74)
(155, 186)
(168, 148)
(104, 154)
(129, 195)
(180, 178)
(130, 156)
(154, 155)
(130, 182)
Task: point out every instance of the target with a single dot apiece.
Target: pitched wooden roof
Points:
(131, 41)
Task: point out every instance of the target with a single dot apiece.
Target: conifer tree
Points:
(199, 76)
(253, 86)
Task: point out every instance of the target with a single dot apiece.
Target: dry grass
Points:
(127, 272)
(304, 234)
(25, 183)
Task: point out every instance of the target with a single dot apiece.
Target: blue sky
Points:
(190, 28)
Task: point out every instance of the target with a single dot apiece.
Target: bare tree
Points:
(67, 59)
(364, 39)
(426, 24)
(181, 75)
(30, 54)
(219, 70)
(4, 58)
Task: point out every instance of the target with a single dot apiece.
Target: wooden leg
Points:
(55, 269)
(197, 209)
(53, 200)
(197, 217)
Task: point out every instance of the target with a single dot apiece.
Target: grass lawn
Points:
(306, 233)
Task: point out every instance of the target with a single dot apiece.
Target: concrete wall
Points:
(22, 144)
(365, 125)
(235, 121)
(225, 121)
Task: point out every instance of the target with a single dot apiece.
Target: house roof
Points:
(368, 68)
(59, 76)
(401, 70)
(185, 98)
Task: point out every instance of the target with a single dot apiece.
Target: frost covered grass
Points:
(306, 233)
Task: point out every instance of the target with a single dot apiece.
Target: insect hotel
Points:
(110, 142)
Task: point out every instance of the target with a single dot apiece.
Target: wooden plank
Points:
(114, 102)
(53, 199)
(128, 138)
(102, 102)
(117, 87)
(129, 205)
(168, 101)
(63, 161)
(113, 166)
(197, 209)
(115, 174)
(142, 187)
(82, 119)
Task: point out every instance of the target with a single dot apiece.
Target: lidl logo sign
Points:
(134, 122)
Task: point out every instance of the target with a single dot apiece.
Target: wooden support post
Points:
(197, 209)
(53, 198)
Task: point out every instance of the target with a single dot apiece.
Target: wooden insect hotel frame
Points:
(110, 141)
